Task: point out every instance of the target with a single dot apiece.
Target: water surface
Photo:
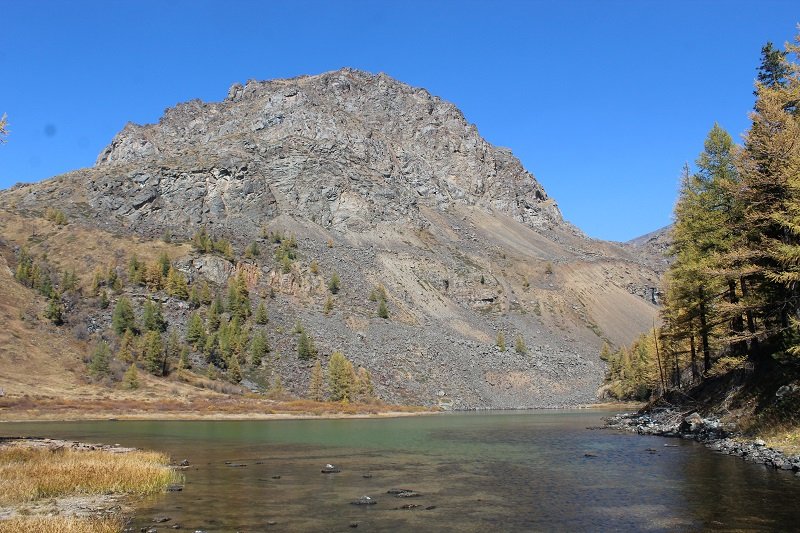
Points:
(503, 471)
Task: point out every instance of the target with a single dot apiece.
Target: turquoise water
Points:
(503, 471)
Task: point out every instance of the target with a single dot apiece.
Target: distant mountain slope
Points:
(384, 185)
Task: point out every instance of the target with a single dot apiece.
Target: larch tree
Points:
(770, 170)
(316, 384)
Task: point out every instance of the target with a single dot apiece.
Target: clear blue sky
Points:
(603, 101)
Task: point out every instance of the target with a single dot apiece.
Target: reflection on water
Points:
(508, 471)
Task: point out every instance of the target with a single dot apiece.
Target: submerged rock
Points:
(364, 500)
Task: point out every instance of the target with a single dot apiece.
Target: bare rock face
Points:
(345, 149)
(386, 186)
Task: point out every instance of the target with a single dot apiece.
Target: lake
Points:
(503, 471)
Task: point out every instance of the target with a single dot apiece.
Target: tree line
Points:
(732, 292)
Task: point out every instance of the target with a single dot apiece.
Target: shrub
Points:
(383, 310)
(333, 283)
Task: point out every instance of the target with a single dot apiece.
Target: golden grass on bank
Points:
(787, 441)
(61, 524)
(28, 474)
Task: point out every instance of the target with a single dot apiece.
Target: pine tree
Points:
(238, 297)
(316, 385)
(195, 331)
(136, 270)
(69, 281)
(774, 68)
(305, 347)
(519, 345)
(184, 362)
(153, 318)
(234, 370)
(501, 341)
(333, 283)
(153, 352)
(176, 284)
(261, 316)
(769, 260)
(252, 251)
(55, 310)
(383, 310)
(104, 301)
(340, 377)
(172, 351)
(125, 352)
(99, 363)
(259, 347)
(123, 318)
(164, 263)
(328, 305)
(365, 389)
(131, 377)
(704, 239)
(213, 318)
(154, 277)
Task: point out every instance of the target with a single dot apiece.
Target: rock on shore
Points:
(718, 436)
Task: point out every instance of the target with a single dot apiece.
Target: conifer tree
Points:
(172, 351)
(176, 284)
(328, 307)
(55, 310)
(519, 345)
(213, 318)
(123, 318)
(383, 310)
(769, 261)
(340, 377)
(153, 352)
(154, 277)
(366, 391)
(153, 318)
(234, 370)
(99, 363)
(183, 361)
(316, 385)
(259, 347)
(125, 352)
(131, 377)
(333, 283)
(164, 263)
(305, 346)
(195, 331)
(501, 341)
(261, 317)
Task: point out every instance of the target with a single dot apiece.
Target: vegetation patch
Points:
(49, 485)
(28, 474)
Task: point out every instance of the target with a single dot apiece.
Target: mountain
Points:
(386, 186)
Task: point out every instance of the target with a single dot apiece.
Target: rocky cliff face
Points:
(345, 150)
(387, 185)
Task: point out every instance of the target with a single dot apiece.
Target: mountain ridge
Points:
(386, 186)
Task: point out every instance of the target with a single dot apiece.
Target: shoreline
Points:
(713, 434)
(191, 417)
(143, 412)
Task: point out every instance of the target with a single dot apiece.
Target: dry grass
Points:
(42, 408)
(787, 441)
(61, 524)
(28, 474)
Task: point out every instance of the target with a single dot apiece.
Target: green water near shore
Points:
(508, 471)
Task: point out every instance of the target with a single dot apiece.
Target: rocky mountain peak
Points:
(345, 149)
